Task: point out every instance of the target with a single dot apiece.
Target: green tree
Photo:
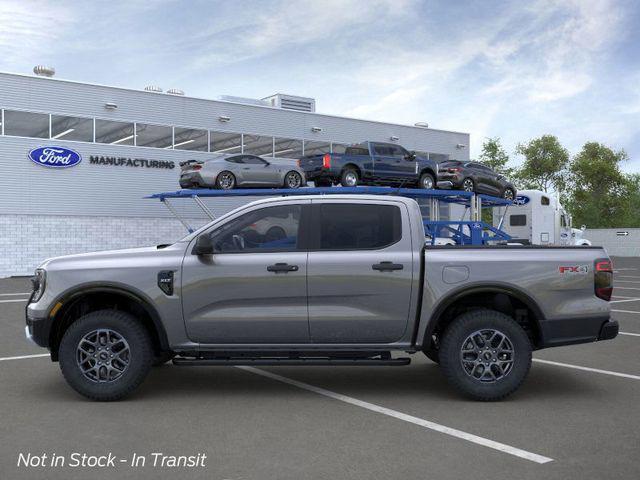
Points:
(494, 156)
(545, 164)
(600, 194)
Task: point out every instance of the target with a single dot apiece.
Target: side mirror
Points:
(203, 245)
(410, 156)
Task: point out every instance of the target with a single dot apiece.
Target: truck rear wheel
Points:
(349, 178)
(485, 354)
(105, 355)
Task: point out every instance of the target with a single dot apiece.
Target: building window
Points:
(225, 142)
(287, 148)
(26, 124)
(257, 145)
(316, 148)
(71, 128)
(338, 148)
(190, 139)
(115, 133)
(157, 136)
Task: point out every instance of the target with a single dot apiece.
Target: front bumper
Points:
(37, 330)
(571, 331)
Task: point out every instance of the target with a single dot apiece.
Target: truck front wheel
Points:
(485, 354)
(105, 355)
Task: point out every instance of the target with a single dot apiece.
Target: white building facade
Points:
(129, 144)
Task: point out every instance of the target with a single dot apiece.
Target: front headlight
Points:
(39, 282)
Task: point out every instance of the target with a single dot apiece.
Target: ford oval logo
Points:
(521, 200)
(56, 157)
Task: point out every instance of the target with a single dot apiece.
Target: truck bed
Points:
(556, 282)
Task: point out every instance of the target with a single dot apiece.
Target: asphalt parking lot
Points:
(577, 415)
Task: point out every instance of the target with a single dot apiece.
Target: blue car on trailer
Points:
(371, 163)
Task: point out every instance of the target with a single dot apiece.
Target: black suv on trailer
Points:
(475, 177)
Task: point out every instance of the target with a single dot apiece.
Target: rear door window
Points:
(345, 226)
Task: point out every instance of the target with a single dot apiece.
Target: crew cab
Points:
(349, 281)
(371, 163)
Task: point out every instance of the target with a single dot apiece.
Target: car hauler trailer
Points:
(455, 232)
(538, 218)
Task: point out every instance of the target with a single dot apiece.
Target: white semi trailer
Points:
(538, 218)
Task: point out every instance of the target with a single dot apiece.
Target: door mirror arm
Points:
(203, 246)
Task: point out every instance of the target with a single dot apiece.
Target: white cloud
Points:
(30, 30)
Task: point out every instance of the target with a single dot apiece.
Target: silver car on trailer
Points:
(241, 170)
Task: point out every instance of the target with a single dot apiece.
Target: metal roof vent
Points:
(175, 91)
(44, 71)
(291, 102)
(422, 124)
(153, 88)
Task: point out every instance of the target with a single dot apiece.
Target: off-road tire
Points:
(140, 357)
(453, 341)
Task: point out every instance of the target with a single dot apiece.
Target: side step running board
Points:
(185, 362)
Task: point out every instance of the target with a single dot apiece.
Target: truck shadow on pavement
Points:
(424, 382)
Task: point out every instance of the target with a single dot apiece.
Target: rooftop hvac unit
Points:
(175, 91)
(153, 88)
(43, 71)
(291, 102)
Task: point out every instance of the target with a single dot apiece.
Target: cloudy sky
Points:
(510, 69)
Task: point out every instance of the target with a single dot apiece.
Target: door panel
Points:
(349, 300)
(252, 289)
(233, 298)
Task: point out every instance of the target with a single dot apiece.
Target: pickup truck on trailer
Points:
(371, 163)
(351, 282)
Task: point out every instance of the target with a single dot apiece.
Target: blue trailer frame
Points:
(479, 232)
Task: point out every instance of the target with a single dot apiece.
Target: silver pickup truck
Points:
(317, 280)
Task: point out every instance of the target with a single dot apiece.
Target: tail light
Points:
(454, 170)
(603, 278)
(326, 161)
(298, 162)
(196, 167)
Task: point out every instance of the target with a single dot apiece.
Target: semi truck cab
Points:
(538, 218)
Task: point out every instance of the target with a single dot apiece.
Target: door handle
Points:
(387, 266)
(282, 267)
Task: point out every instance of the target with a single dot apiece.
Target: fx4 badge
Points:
(579, 269)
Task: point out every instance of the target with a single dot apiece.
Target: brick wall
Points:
(27, 240)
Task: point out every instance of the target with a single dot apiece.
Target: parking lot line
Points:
(630, 334)
(625, 288)
(627, 281)
(625, 311)
(625, 300)
(22, 357)
(627, 276)
(14, 300)
(13, 294)
(485, 442)
(587, 369)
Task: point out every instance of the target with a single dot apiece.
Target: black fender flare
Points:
(70, 296)
(491, 288)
